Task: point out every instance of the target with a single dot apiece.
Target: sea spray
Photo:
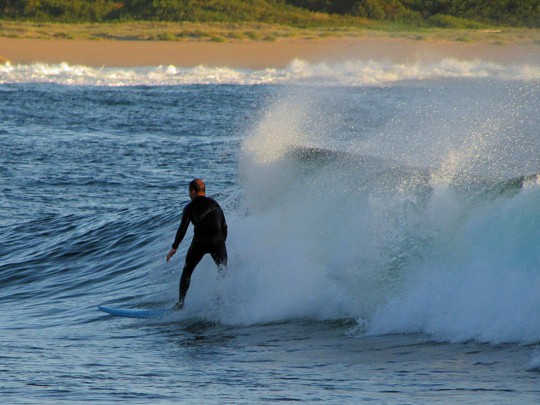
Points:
(314, 240)
(325, 239)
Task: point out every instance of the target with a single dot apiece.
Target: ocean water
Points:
(384, 242)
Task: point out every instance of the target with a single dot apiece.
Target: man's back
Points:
(208, 220)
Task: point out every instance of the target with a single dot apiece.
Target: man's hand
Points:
(170, 254)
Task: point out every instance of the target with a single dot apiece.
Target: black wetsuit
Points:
(210, 233)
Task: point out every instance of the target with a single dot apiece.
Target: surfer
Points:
(210, 233)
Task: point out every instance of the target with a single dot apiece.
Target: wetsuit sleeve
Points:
(182, 229)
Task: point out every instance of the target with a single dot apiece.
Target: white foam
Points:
(350, 73)
(313, 242)
(534, 362)
(480, 281)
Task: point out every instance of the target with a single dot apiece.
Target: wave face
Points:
(351, 73)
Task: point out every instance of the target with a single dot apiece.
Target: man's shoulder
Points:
(205, 200)
(201, 201)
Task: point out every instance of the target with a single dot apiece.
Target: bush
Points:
(390, 10)
(372, 9)
(447, 21)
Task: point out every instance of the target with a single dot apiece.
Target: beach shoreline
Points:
(256, 54)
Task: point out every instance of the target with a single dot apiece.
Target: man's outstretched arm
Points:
(180, 233)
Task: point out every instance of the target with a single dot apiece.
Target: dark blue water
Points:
(336, 292)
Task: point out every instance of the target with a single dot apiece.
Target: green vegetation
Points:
(445, 13)
(461, 14)
(197, 11)
(495, 21)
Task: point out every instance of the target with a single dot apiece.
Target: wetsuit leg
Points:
(218, 251)
(194, 255)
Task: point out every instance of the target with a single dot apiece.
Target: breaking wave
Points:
(351, 73)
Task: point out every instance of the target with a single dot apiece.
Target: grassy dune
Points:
(230, 32)
(167, 31)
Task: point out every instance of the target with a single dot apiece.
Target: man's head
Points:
(196, 188)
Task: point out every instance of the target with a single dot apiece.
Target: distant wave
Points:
(351, 73)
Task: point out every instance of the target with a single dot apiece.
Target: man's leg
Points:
(193, 256)
(219, 255)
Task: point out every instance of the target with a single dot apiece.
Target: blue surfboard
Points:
(137, 313)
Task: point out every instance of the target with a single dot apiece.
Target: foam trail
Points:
(350, 73)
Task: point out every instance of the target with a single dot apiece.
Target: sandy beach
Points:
(255, 54)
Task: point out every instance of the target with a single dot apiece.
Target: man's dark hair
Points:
(197, 185)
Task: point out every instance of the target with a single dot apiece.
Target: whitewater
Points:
(348, 73)
(384, 222)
